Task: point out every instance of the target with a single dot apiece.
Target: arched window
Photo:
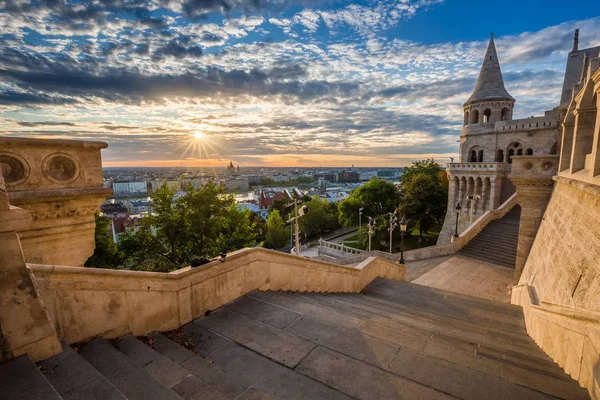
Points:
(466, 118)
(511, 153)
(529, 152)
(500, 156)
(475, 117)
(515, 148)
(473, 157)
(480, 156)
(505, 114)
(520, 152)
(554, 149)
(487, 113)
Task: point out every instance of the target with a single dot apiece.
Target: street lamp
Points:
(393, 224)
(360, 210)
(457, 210)
(403, 226)
(371, 230)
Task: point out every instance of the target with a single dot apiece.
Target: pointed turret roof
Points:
(490, 84)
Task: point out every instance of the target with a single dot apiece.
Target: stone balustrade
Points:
(86, 302)
(534, 167)
(569, 335)
(478, 167)
(60, 183)
(336, 249)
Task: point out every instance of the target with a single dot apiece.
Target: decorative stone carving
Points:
(61, 168)
(14, 168)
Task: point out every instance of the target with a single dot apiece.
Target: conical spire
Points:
(490, 84)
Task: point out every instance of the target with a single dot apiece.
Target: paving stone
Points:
(264, 339)
(170, 349)
(20, 379)
(96, 389)
(272, 378)
(467, 359)
(155, 364)
(124, 374)
(457, 380)
(70, 374)
(253, 394)
(361, 380)
(192, 388)
(350, 342)
(556, 387)
(205, 340)
(303, 307)
(263, 312)
(403, 337)
(211, 374)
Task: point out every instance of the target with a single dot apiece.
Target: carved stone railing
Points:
(534, 167)
(570, 336)
(483, 221)
(60, 183)
(478, 167)
(336, 249)
(86, 302)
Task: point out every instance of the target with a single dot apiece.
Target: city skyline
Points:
(286, 84)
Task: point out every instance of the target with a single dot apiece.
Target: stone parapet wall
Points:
(85, 302)
(570, 336)
(60, 183)
(564, 261)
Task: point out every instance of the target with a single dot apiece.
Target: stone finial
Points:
(576, 40)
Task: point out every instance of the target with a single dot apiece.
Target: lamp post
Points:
(457, 210)
(360, 210)
(403, 226)
(370, 231)
(393, 224)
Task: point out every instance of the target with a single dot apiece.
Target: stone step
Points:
(20, 379)
(74, 378)
(493, 260)
(257, 336)
(225, 385)
(270, 377)
(129, 378)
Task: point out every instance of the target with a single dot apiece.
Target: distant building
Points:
(254, 180)
(140, 207)
(125, 187)
(348, 177)
(387, 174)
(335, 197)
(114, 210)
(329, 177)
(239, 184)
(268, 197)
(174, 185)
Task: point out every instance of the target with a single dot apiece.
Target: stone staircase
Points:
(497, 242)
(395, 340)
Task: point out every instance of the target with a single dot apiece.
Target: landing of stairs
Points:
(466, 275)
(395, 340)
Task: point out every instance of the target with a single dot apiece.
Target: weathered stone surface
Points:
(264, 339)
(360, 380)
(270, 377)
(192, 388)
(263, 312)
(215, 377)
(20, 379)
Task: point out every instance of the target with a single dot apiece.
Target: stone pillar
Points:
(461, 191)
(476, 193)
(585, 121)
(532, 177)
(484, 195)
(24, 325)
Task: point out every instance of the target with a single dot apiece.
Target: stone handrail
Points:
(325, 246)
(86, 302)
(479, 166)
(481, 222)
(570, 336)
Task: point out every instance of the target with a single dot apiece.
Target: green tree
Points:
(105, 254)
(321, 218)
(424, 194)
(203, 222)
(277, 233)
(377, 197)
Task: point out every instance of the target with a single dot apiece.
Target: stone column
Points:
(461, 192)
(532, 177)
(24, 325)
(477, 192)
(484, 195)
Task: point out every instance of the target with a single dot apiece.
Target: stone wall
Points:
(85, 302)
(564, 262)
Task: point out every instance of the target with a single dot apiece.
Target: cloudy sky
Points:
(273, 82)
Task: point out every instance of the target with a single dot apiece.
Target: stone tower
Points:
(490, 137)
